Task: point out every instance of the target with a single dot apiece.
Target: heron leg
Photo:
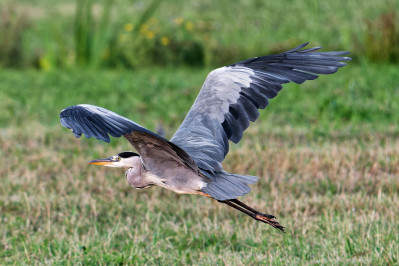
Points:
(266, 218)
(236, 201)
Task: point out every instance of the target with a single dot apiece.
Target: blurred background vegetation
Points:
(326, 151)
(131, 34)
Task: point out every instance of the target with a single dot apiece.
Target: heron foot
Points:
(269, 219)
(268, 215)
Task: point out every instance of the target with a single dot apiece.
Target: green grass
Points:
(326, 152)
(356, 97)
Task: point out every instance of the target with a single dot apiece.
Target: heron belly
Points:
(189, 186)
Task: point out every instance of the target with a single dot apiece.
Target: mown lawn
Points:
(326, 152)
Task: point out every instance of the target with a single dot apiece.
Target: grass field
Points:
(326, 152)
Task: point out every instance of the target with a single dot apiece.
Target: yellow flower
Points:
(122, 37)
(149, 34)
(165, 41)
(44, 63)
(128, 27)
(189, 26)
(179, 21)
(106, 53)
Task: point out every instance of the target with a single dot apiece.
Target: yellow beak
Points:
(106, 161)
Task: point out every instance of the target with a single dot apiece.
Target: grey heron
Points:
(190, 162)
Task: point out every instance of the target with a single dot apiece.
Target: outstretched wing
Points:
(94, 121)
(98, 122)
(231, 96)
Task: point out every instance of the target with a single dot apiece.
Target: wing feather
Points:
(97, 122)
(231, 96)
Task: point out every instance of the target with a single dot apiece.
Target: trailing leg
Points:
(236, 201)
(265, 218)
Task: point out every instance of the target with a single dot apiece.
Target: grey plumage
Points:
(98, 122)
(231, 96)
(228, 101)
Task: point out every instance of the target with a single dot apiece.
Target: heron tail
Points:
(225, 186)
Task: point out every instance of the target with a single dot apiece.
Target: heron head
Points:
(125, 159)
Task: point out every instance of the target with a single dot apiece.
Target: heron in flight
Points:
(190, 162)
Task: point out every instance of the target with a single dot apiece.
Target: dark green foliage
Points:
(133, 34)
(381, 42)
(13, 24)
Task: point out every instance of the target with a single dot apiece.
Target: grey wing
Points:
(94, 121)
(231, 96)
(98, 122)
